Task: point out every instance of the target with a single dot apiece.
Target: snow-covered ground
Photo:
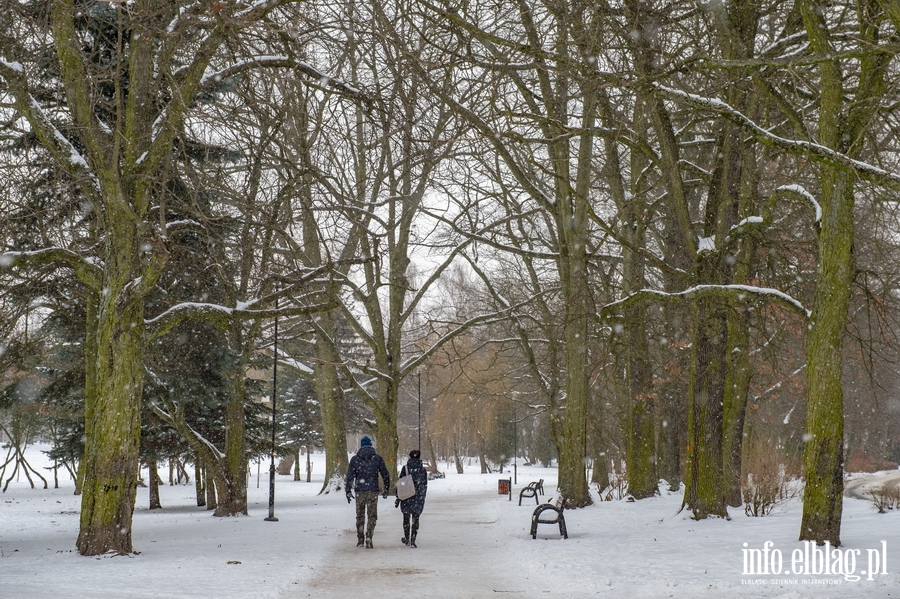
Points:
(473, 543)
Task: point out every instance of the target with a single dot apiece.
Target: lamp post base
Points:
(272, 517)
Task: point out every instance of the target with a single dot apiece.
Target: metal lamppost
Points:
(272, 517)
(420, 412)
(515, 444)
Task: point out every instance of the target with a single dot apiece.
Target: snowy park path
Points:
(451, 526)
(859, 486)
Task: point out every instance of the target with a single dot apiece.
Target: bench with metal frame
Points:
(531, 490)
(554, 515)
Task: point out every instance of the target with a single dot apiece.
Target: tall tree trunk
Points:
(199, 481)
(573, 232)
(706, 486)
(154, 484)
(737, 387)
(432, 456)
(841, 128)
(672, 428)
(231, 472)
(114, 352)
(386, 429)
(331, 406)
(210, 484)
(679, 239)
(643, 480)
(735, 184)
(642, 464)
(642, 467)
(326, 379)
(704, 493)
(823, 461)
(600, 470)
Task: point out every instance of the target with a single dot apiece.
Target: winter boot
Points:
(369, 543)
(405, 539)
(412, 541)
(359, 541)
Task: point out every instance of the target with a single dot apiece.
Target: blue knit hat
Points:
(365, 442)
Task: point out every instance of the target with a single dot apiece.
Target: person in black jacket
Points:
(412, 507)
(362, 475)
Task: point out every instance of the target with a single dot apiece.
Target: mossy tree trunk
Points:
(824, 452)
(704, 493)
(231, 471)
(153, 485)
(634, 352)
(737, 387)
(331, 405)
(115, 373)
(706, 485)
(823, 460)
(572, 169)
(841, 127)
(679, 239)
(643, 480)
(199, 481)
(734, 183)
(326, 375)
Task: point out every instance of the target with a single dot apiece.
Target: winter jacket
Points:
(416, 503)
(364, 469)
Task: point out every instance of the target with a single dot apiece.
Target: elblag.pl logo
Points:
(815, 560)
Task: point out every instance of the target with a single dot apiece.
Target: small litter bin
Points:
(503, 486)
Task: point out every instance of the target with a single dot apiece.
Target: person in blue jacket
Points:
(362, 475)
(412, 507)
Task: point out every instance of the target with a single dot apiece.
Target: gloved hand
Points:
(349, 496)
(396, 503)
(385, 494)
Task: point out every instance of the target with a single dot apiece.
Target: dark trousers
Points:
(410, 526)
(366, 506)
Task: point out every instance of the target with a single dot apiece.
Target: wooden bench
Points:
(555, 516)
(531, 490)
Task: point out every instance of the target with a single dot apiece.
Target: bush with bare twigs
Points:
(766, 482)
(617, 489)
(884, 498)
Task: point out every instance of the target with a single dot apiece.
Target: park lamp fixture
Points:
(271, 517)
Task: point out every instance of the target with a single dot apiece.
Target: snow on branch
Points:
(733, 291)
(44, 128)
(801, 191)
(223, 316)
(257, 8)
(747, 222)
(87, 270)
(706, 244)
(294, 363)
(178, 422)
(13, 66)
(806, 148)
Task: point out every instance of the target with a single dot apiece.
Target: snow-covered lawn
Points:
(473, 543)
